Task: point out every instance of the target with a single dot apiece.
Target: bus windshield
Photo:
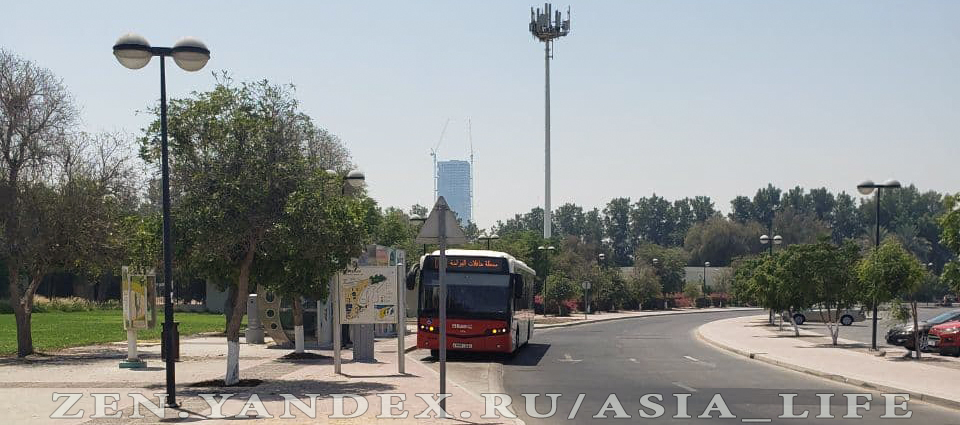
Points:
(469, 295)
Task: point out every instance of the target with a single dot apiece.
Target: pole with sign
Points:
(441, 228)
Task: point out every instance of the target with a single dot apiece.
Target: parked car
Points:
(902, 334)
(945, 338)
(847, 317)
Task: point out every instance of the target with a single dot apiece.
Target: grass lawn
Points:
(53, 331)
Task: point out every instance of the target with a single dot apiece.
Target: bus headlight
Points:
(494, 331)
(431, 329)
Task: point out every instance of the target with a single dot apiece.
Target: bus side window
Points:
(517, 285)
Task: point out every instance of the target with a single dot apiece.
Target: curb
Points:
(952, 404)
(641, 316)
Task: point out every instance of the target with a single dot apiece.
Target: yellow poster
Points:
(137, 298)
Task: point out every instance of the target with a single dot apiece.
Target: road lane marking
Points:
(566, 358)
(690, 389)
(632, 359)
(691, 358)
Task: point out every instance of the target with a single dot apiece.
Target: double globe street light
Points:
(776, 240)
(134, 51)
(865, 188)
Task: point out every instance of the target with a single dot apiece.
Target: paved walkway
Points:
(546, 322)
(812, 353)
(27, 387)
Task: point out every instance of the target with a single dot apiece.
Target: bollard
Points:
(176, 343)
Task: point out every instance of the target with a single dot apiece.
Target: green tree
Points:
(831, 271)
(318, 235)
(616, 224)
(238, 153)
(37, 115)
(846, 221)
(643, 285)
(569, 220)
(560, 289)
(890, 272)
(669, 267)
(796, 270)
(719, 241)
(950, 237)
(692, 291)
(799, 226)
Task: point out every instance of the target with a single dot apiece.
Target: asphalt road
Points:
(662, 355)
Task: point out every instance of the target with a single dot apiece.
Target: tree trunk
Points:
(796, 329)
(24, 331)
(22, 304)
(297, 324)
(916, 329)
(228, 306)
(236, 316)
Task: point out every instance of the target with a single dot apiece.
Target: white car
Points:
(847, 316)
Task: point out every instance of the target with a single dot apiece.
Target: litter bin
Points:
(176, 342)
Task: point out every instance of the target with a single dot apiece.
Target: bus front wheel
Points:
(435, 354)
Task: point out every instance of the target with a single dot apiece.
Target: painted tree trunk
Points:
(793, 321)
(297, 324)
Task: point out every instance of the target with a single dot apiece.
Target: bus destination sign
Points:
(471, 264)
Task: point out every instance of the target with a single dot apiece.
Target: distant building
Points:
(454, 185)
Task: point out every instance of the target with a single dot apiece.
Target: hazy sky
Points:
(680, 98)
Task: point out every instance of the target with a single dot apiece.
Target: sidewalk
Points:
(751, 336)
(577, 318)
(26, 388)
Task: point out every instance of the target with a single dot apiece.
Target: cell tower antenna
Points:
(433, 153)
(548, 25)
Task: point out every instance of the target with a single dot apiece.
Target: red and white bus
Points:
(489, 301)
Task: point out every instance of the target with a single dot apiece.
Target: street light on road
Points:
(419, 220)
(866, 188)
(705, 265)
(489, 238)
(586, 294)
(134, 51)
(777, 240)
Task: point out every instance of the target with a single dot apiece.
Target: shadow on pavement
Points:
(528, 355)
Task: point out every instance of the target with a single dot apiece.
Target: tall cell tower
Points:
(548, 25)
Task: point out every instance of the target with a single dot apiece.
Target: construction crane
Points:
(433, 153)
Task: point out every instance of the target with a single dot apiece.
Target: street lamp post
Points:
(586, 294)
(777, 240)
(546, 274)
(488, 238)
(866, 188)
(705, 265)
(353, 179)
(656, 269)
(420, 220)
(134, 51)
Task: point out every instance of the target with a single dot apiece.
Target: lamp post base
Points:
(133, 364)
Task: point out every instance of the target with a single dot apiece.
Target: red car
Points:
(946, 338)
